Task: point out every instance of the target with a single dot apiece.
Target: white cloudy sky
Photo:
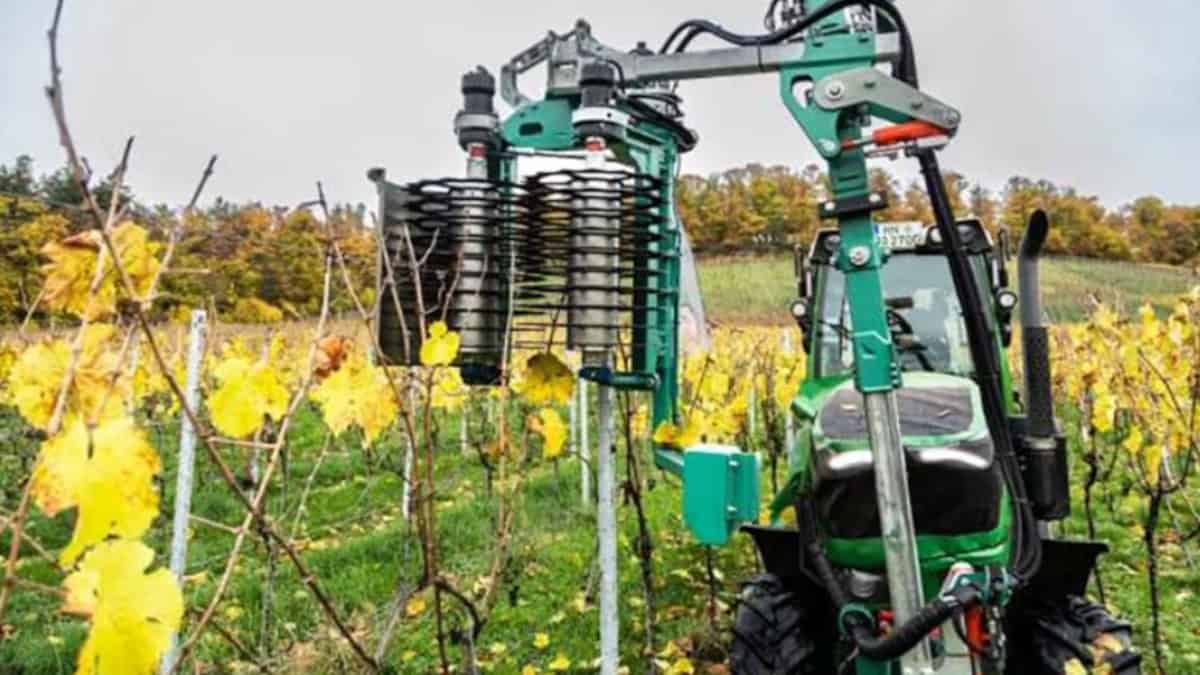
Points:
(1102, 94)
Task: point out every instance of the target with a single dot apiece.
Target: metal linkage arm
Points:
(865, 88)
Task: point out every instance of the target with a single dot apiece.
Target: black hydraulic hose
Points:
(902, 638)
(690, 29)
(1027, 545)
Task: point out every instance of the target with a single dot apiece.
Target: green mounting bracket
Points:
(720, 491)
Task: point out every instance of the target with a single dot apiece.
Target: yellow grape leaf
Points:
(1134, 441)
(678, 437)
(449, 390)
(541, 640)
(248, 393)
(72, 267)
(357, 394)
(560, 663)
(1074, 667)
(108, 473)
(133, 613)
(549, 381)
(414, 607)
(37, 375)
(549, 425)
(441, 346)
(681, 667)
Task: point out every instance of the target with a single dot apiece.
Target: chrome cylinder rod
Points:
(897, 526)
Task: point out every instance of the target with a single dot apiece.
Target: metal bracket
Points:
(871, 87)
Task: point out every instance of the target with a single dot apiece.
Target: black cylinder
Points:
(596, 84)
(478, 89)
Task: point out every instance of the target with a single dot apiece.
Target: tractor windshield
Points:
(923, 311)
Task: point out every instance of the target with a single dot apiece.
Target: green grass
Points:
(360, 549)
(759, 290)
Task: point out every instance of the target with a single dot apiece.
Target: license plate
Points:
(900, 236)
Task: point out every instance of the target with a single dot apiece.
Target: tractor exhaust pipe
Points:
(1045, 465)
(1039, 404)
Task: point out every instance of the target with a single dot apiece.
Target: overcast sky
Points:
(1101, 94)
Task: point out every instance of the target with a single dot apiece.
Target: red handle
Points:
(908, 131)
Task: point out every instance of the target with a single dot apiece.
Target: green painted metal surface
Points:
(542, 125)
(720, 492)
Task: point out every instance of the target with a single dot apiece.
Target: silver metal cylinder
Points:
(896, 522)
(593, 276)
(475, 307)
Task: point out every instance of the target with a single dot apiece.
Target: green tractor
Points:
(922, 482)
(962, 512)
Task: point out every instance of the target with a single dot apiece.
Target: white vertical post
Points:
(406, 496)
(184, 476)
(789, 424)
(585, 451)
(463, 445)
(606, 525)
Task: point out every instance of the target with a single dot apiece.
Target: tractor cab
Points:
(950, 455)
(922, 307)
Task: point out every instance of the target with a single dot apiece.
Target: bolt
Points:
(828, 147)
(950, 116)
(917, 105)
(829, 206)
(835, 90)
(869, 84)
(859, 256)
(874, 198)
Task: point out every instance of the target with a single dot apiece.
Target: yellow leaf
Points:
(414, 607)
(681, 667)
(440, 347)
(357, 394)
(560, 663)
(677, 437)
(248, 393)
(1134, 441)
(541, 640)
(1074, 667)
(497, 648)
(37, 375)
(554, 433)
(548, 381)
(72, 267)
(529, 670)
(133, 613)
(107, 472)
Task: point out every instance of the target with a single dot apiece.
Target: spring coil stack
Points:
(446, 247)
(574, 257)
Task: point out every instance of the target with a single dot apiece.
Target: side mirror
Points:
(802, 313)
(800, 268)
(1003, 255)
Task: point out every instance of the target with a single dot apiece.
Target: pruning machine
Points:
(922, 486)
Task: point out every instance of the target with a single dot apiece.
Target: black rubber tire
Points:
(769, 633)
(1075, 629)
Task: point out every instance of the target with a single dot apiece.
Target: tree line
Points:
(761, 207)
(247, 262)
(253, 262)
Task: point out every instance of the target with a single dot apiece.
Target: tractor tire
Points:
(1075, 630)
(769, 633)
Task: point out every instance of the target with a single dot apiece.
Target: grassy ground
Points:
(761, 289)
(360, 549)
